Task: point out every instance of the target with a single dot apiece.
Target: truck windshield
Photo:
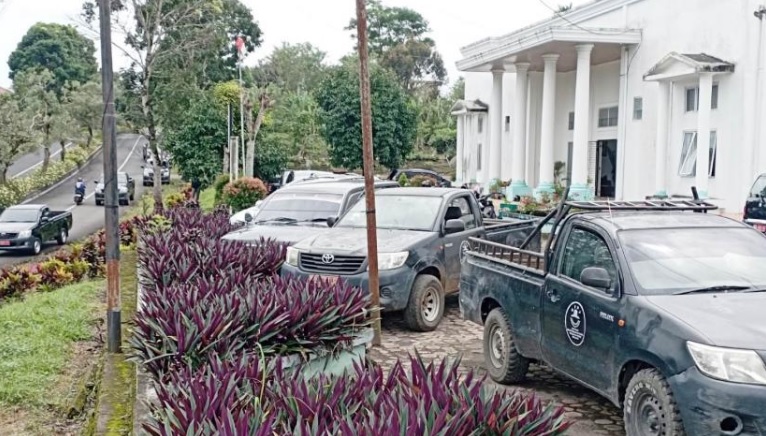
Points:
(668, 261)
(406, 212)
(759, 187)
(19, 216)
(299, 207)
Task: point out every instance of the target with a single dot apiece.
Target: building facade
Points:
(631, 97)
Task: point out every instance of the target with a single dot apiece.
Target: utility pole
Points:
(368, 168)
(111, 210)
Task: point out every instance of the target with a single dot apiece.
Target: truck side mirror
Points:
(331, 220)
(454, 226)
(596, 277)
(248, 218)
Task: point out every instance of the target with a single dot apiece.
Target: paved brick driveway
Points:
(592, 415)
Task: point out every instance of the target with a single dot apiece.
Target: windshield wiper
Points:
(711, 289)
(754, 290)
(280, 219)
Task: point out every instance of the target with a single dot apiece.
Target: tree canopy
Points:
(393, 118)
(292, 67)
(58, 48)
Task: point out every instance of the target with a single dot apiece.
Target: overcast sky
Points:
(320, 22)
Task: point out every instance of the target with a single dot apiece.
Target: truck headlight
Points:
(292, 256)
(391, 260)
(729, 364)
(25, 233)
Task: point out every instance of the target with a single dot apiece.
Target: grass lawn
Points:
(207, 199)
(46, 343)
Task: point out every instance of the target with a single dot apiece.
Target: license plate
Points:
(760, 227)
(328, 279)
(5, 243)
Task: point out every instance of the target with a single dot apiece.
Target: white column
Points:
(495, 125)
(518, 184)
(460, 152)
(703, 133)
(486, 147)
(470, 124)
(579, 189)
(661, 142)
(548, 127)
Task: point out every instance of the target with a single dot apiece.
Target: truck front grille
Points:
(8, 235)
(330, 264)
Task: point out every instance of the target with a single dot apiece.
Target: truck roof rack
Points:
(655, 205)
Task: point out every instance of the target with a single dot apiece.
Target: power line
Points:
(571, 23)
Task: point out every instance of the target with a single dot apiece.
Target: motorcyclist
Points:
(79, 187)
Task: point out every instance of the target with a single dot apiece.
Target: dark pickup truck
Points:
(658, 309)
(27, 227)
(755, 205)
(422, 236)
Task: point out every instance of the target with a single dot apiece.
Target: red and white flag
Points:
(240, 44)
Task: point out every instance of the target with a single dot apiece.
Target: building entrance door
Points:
(606, 168)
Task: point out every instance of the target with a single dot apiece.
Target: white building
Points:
(633, 95)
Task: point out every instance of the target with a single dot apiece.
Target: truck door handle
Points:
(552, 295)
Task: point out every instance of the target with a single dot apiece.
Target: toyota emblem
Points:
(328, 258)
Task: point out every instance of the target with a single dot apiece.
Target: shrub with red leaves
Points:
(247, 396)
(243, 193)
(16, 280)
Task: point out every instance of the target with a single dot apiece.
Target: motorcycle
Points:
(79, 194)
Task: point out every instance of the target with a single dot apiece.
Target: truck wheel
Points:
(37, 246)
(504, 363)
(62, 237)
(425, 309)
(649, 406)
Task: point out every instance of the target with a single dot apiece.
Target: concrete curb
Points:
(69, 175)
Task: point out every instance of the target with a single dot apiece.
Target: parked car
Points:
(27, 227)
(438, 179)
(422, 234)
(755, 205)
(291, 176)
(239, 217)
(126, 189)
(149, 173)
(659, 310)
(300, 210)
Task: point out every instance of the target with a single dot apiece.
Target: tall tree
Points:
(35, 91)
(397, 37)
(295, 122)
(393, 117)
(163, 38)
(292, 67)
(83, 103)
(17, 136)
(58, 48)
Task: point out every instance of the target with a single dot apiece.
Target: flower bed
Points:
(219, 332)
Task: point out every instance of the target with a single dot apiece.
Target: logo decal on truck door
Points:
(574, 323)
(464, 247)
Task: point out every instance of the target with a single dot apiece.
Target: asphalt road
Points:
(25, 164)
(87, 218)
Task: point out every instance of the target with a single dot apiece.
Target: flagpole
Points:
(242, 117)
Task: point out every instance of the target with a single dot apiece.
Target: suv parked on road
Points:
(422, 235)
(126, 189)
(303, 209)
(657, 309)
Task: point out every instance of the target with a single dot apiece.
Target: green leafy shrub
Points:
(54, 274)
(220, 183)
(176, 199)
(243, 193)
(78, 155)
(17, 280)
(402, 181)
(419, 180)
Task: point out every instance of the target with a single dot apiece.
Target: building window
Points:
(571, 120)
(688, 165)
(478, 157)
(481, 125)
(607, 116)
(693, 98)
(507, 123)
(638, 108)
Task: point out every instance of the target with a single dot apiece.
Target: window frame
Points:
(616, 290)
(607, 121)
(638, 108)
(690, 152)
(696, 104)
(571, 121)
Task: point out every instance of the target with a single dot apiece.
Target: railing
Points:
(527, 260)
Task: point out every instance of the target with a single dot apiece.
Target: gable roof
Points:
(687, 63)
(465, 106)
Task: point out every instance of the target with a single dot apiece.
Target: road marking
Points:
(125, 162)
(20, 173)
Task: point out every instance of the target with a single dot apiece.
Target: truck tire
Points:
(649, 407)
(425, 309)
(37, 246)
(504, 363)
(63, 236)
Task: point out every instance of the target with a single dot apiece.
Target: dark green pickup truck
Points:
(26, 227)
(655, 307)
